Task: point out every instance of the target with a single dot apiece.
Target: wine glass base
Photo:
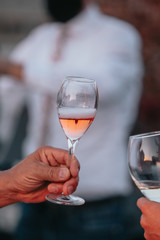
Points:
(65, 200)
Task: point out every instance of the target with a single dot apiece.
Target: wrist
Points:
(7, 195)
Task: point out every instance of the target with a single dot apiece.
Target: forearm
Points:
(7, 196)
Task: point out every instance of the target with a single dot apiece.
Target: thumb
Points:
(54, 174)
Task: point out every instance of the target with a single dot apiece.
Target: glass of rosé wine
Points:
(76, 105)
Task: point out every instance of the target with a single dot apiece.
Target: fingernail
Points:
(63, 173)
(70, 189)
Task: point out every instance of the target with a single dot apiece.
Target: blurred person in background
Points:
(150, 219)
(81, 41)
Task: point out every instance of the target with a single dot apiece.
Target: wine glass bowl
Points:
(76, 106)
(144, 163)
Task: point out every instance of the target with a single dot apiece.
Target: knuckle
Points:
(145, 235)
(142, 222)
(52, 173)
(148, 236)
(144, 208)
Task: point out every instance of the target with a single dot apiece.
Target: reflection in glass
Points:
(144, 163)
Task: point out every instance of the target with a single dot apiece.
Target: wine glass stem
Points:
(71, 148)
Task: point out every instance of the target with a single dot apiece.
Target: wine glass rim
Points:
(145, 135)
(80, 79)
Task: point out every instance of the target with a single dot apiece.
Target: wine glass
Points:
(76, 105)
(144, 163)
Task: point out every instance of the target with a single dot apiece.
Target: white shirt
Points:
(99, 47)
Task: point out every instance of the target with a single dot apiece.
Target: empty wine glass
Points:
(76, 105)
(144, 163)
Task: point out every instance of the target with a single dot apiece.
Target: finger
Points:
(70, 186)
(53, 156)
(55, 188)
(146, 236)
(74, 168)
(141, 202)
(151, 236)
(33, 197)
(142, 221)
(53, 174)
(61, 156)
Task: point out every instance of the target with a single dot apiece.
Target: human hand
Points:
(3, 66)
(44, 171)
(150, 219)
(11, 69)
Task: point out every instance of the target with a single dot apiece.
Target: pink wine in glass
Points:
(76, 121)
(77, 101)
